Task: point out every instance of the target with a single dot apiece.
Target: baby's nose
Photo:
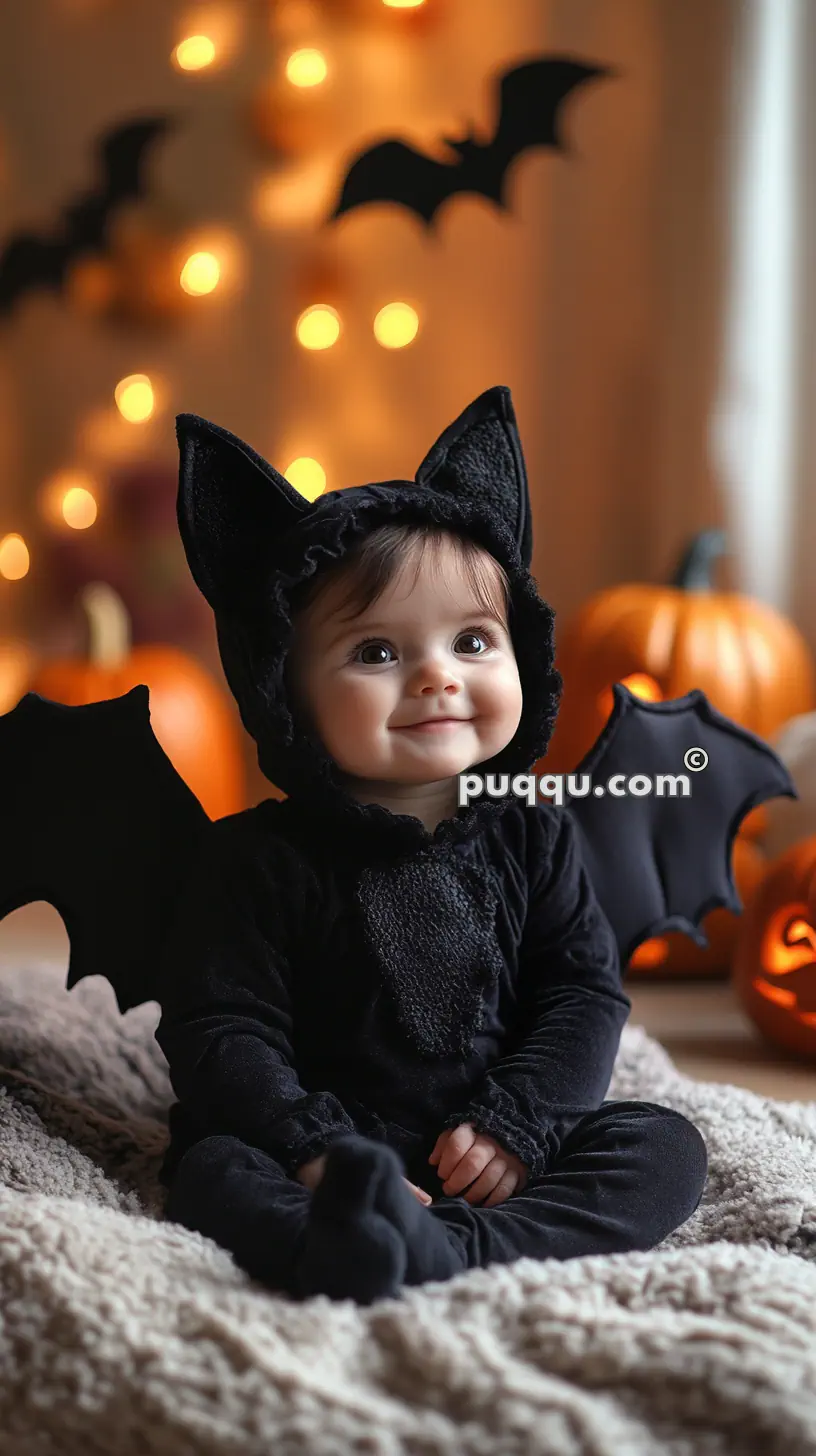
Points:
(436, 676)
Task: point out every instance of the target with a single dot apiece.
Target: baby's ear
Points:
(479, 458)
(232, 506)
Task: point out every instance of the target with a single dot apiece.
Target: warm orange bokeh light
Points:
(650, 953)
(194, 53)
(318, 327)
(14, 557)
(200, 274)
(640, 683)
(396, 325)
(69, 498)
(134, 398)
(78, 508)
(306, 67)
(307, 476)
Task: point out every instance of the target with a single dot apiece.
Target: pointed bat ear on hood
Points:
(479, 459)
(232, 506)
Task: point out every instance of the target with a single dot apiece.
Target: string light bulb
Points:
(307, 476)
(201, 274)
(403, 4)
(318, 327)
(14, 558)
(134, 398)
(195, 53)
(69, 498)
(306, 67)
(78, 507)
(396, 325)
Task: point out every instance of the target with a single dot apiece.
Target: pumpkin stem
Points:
(694, 570)
(108, 623)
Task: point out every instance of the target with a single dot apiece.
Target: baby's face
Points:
(421, 651)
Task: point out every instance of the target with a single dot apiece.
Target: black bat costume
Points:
(333, 977)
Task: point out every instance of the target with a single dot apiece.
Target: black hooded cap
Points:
(251, 539)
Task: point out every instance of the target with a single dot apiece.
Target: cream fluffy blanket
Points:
(122, 1334)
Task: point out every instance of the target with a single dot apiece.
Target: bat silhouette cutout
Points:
(530, 101)
(42, 260)
(661, 862)
(98, 822)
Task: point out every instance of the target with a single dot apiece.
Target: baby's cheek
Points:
(510, 709)
(501, 704)
(354, 724)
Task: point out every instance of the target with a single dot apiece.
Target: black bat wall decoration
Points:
(42, 260)
(530, 101)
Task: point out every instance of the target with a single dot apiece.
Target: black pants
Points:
(625, 1177)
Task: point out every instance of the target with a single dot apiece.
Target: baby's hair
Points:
(371, 566)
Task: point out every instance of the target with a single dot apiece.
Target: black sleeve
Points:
(572, 1003)
(226, 1023)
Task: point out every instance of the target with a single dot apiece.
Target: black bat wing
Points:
(100, 825)
(662, 861)
(394, 172)
(123, 154)
(531, 100)
(30, 259)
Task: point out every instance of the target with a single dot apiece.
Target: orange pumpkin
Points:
(189, 712)
(662, 641)
(774, 967)
(677, 955)
(755, 825)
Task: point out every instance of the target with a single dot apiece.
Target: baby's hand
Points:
(463, 1155)
(310, 1174)
(420, 1192)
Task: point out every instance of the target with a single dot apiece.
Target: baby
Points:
(391, 1021)
(403, 666)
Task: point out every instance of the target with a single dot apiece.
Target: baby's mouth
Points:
(433, 725)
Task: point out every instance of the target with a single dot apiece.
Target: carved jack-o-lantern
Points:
(774, 966)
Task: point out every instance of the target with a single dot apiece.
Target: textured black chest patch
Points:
(431, 924)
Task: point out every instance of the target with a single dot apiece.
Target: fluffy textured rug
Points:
(122, 1334)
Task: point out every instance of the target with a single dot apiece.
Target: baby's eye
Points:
(373, 648)
(481, 639)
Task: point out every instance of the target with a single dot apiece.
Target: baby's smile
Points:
(431, 725)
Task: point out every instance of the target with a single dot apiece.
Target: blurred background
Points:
(645, 293)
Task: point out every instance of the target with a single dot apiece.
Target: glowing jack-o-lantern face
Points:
(788, 944)
(775, 958)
